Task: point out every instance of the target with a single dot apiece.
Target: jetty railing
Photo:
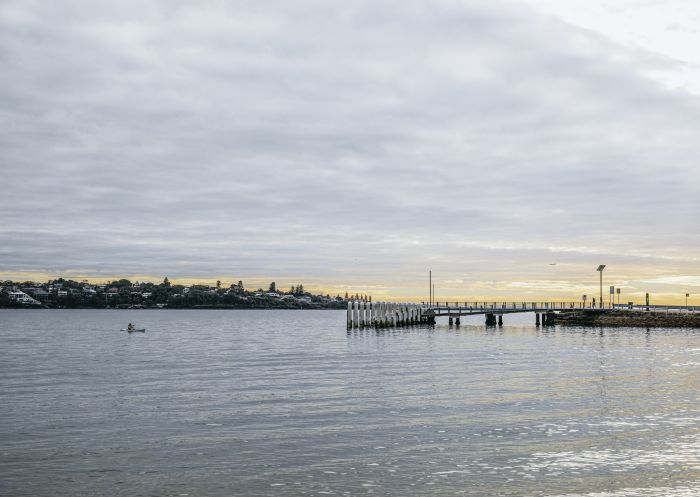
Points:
(361, 314)
(658, 307)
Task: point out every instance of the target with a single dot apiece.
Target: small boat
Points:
(140, 330)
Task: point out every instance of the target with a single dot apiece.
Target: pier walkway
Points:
(362, 314)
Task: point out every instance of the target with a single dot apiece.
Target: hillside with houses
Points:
(124, 294)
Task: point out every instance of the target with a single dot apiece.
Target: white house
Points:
(22, 298)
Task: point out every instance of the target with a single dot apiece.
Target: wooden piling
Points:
(549, 319)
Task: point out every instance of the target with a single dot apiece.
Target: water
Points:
(257, 403)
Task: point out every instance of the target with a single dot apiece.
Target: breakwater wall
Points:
(619, 317)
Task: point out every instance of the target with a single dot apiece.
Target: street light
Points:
(686, 299)
(430, 287)
(600, 270)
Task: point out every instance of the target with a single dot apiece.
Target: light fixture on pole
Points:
(600, 270)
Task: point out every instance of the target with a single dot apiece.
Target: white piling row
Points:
(363, 314)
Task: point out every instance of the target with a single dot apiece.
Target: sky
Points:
(508, 146)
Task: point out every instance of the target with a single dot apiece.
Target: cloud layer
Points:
(342, 145)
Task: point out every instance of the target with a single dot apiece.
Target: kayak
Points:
(141, 330)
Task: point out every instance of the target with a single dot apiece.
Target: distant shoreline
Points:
(205, 308)
(123, 294)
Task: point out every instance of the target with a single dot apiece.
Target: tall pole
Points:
(601, 304)
(430, 288)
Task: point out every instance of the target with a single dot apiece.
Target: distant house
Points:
(38, 293)
(22, 298)
(145, 295)
(273, 294)
(62, 293)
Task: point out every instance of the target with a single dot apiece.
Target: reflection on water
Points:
(289, 403)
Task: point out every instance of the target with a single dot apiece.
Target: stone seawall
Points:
(627, 318)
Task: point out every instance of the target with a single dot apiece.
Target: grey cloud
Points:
(278, 138)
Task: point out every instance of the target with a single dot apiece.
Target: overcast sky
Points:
(354, 145)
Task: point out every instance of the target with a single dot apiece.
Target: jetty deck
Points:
(361, 314)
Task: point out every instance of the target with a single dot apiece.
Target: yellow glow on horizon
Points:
(670, 289)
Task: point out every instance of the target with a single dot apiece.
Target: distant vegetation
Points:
(124, 294)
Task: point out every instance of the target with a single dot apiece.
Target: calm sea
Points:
(258, 403)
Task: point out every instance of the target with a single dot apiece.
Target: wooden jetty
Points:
(362, 314)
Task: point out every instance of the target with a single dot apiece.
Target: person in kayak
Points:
(130, 327)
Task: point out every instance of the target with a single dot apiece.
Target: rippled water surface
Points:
(226, 403)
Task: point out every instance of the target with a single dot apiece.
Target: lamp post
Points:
(600, 270)
(686, 299)
(430, 287)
